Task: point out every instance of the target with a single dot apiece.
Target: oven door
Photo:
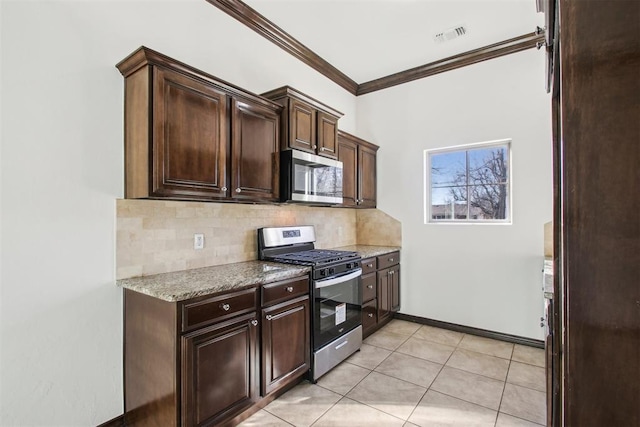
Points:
(337, 305)
(309, 178)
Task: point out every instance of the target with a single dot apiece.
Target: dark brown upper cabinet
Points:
(307, 124)
(358, 158)
(192, 136)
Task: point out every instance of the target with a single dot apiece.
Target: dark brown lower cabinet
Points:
(285, 343)
(198, 362)
(219, 371)
(380, 291)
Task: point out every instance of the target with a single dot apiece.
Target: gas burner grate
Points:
(314, 257)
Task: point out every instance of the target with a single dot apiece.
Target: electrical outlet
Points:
(198, 241)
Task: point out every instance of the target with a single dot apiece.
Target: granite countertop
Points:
(368, 251)
(182, 285)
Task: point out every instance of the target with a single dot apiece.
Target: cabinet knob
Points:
(370, 286)
(224, 189)
(269, 317)
(238, 190)
(370, 265)
(254, 322)
(289, 289)
(370, 314)
(315, 146)
(323, 149)
(390, 259)
(391, 273)
(225, 307)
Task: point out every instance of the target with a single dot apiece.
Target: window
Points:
(469, 184)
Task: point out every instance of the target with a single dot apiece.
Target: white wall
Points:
(62, 169)
(484, 276)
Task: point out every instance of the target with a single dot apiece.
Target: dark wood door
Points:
(394, 288)
(255, 150)
(190, 138)
(384, 294)
(367, 177)
(285, 343)
(597, 212)
(327, 135)
(348, 155)
(302, 126)
(219, 371)
(369, 317)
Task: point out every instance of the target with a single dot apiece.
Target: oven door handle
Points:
(335, 280)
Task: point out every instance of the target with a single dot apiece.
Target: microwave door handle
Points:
(334, 281)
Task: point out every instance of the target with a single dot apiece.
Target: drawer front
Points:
(274, 293)
(369, 265)
(369, 315)
(388, 260)
(203, 311)
(368, 287)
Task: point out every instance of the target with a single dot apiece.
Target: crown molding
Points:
(261, 25)
(506, 47)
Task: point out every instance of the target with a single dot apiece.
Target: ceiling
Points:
(369, 39)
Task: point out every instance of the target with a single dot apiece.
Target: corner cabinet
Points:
(216, 359)
(191, 136)
(380, 291)
(359, 159)
(307, 124)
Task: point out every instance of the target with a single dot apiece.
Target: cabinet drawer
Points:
(281, 291)
(388, 260)
(200, 312)
(369, 265)
(369, 315)
(368, 287)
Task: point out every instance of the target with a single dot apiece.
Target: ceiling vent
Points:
(450, 34)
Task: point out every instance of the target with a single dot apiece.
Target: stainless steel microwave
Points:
(307, 178)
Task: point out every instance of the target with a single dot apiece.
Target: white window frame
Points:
(465, 147)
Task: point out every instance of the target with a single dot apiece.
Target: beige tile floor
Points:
(407, 374)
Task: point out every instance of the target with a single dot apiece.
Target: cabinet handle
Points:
(370, 314)
(225, 307)
(224, 189)
(238, 190)
(269, 317)
(370, 286)
(254, 322)
(289, 289)
(370, 265)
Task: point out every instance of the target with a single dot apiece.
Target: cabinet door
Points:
(384, 294)
(369, 317)
(348, 155)
(367, 177)
(190, 140)
(219, 371)
(394, 288)
(302, 126)
(255, 150)
(285, 343)
(327, 135)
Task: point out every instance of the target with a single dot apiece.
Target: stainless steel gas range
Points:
(336, 299)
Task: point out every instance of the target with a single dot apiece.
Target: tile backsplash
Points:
(157, 236)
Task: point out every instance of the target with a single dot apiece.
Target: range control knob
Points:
(349, 266)
(323, 272)
(332, 270)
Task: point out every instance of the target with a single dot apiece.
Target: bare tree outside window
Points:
(469, 185)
